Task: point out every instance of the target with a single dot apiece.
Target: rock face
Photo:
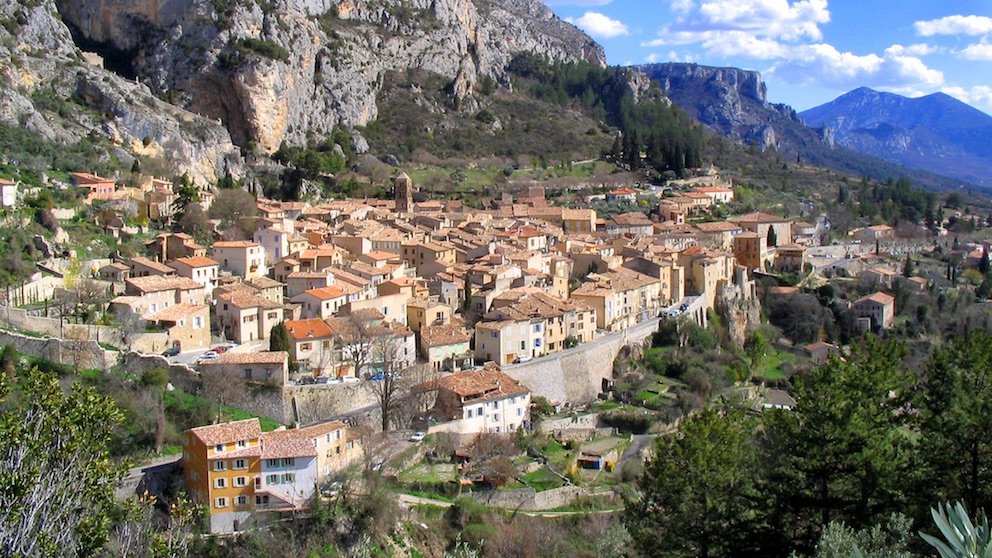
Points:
(936, 132)
(47, 87)
(292, 70)
(730, 101)
(733, 103)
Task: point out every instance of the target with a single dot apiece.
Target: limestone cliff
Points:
(47, 87)
(732, 102)
(292, 70)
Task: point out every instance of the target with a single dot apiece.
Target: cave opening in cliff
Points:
(117, 60)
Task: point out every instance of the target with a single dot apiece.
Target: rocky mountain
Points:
(733, 103)
(49, 88)
(936, 132)
(729, 101)
(292, 70)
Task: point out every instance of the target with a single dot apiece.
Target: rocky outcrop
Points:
(730, 101)
(292, 70)
(47, 86)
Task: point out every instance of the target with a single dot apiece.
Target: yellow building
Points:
(751, 251)
(221, 463)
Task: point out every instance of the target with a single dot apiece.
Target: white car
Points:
(523, 358)
(207, 356)
(418, 436)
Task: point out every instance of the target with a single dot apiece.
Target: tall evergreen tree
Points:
(772, 237)
(698, 490)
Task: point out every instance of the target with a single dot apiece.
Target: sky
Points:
(808, 51)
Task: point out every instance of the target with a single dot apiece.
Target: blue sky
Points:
(808, 51)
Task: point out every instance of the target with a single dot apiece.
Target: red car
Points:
(219, 350)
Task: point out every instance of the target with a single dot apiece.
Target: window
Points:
(220, 465)
(242, 443)
(219, 448)
(287, 462)
(337, 434)
(468, 413)
(220, 503)
(260, 500)
(520, 412)
(271, 462)
(240, 481)
(537, 328)
(271, 479)
(247, 373)
(198, 322)
(523, 345)
(220, 483)
(242, 501)
(288, 477)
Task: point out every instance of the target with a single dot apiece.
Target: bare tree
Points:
(224, 388)
(423, 381)
(387, 386)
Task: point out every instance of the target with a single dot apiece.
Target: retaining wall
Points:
(80, 354)
(527, 499)
(577, 375)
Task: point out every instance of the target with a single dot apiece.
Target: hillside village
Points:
(463, 303)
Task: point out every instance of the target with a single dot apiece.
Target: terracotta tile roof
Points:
(158, 283)
(287, 443)
(378, 255)
(234, 244)
(150, 264)
(758, 217)
(263, 283)
(196, 261)
(227, 432)
(474, 386)
(879, 297)
(712, 189)
(717, 226)
(245, 299)
(307, 329)
(329, 292)
(444, 334)
(322, 428)
(263, 357)
(177, 312)
(116, 265)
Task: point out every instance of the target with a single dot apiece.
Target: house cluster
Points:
(443, 283)
(245, 477)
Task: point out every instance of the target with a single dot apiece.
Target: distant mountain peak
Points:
(936, 132)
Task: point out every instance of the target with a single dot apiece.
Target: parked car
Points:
(322, 380)
(219, 349)
(523, 358)
(171, 351)
(307, 380)
(418, 436)
(207, 356)
(377, 377)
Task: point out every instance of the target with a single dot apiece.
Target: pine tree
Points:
(907, 267)
(985, 266)
(772, 237)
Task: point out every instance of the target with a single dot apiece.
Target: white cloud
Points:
(581, 3)
(827, 66)
(977, 51)
(682, 6)
(653, 58)
(919, 49)
(954, 25)
(600, 25)
(978, 95)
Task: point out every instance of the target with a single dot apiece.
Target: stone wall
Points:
(79, 354)
(527, 499)
(22, 320)
(578, 375)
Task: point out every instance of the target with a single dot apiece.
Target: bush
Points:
(633, 422)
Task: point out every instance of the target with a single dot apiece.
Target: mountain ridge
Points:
(935, 132)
